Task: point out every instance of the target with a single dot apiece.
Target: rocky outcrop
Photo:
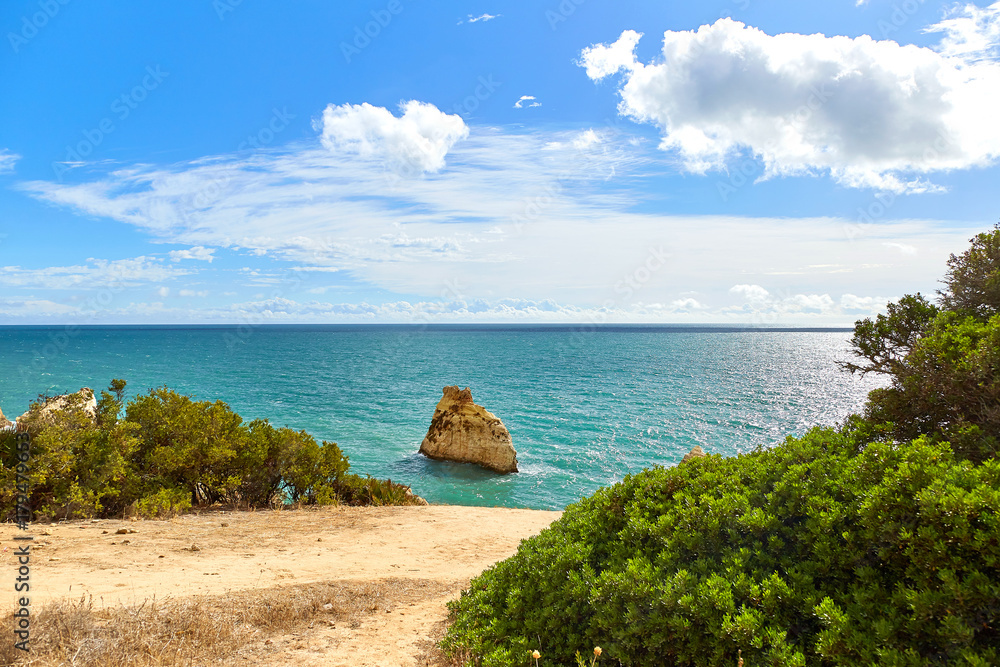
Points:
(413, 498)
(4, 422)
(696, 453)
(468, 433)
(44, 413)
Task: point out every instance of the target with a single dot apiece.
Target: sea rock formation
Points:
(4, 422)
(414, 498)
(81, 400)
(468, 433)
(696, 453)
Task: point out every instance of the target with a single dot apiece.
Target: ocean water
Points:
(584, 407)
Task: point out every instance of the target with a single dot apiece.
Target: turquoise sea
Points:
(585, 405)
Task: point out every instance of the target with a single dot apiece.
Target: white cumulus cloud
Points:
(752, 293)
(861, 304)
(604, 60)
(413, 143)
(686, 304)
(758, 300)
(868, 113)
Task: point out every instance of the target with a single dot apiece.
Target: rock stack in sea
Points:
(4, 422)
(82, 400)
(464, 432)
(696, 453)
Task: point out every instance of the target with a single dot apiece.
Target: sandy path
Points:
(397, 639)
(247, 550)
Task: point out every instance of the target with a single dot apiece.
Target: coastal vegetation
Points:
(875, 541)
(163, 453)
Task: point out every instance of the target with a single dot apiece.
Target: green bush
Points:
(163, 453)
(162, 503)
(805, 554)
(357, 490)
(874, 543)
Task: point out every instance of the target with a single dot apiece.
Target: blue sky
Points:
(401, 161)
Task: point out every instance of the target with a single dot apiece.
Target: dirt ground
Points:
(439, 548)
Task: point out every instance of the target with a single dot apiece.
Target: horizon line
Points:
(582, 327)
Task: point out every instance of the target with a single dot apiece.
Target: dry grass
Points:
(227, 629)
(431, 654)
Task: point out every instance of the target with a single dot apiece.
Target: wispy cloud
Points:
(96, 273)
(476, 19)
(7, 160)
(819, 309)
(199, 253)
(969, 32)
(527, 101)
(904, 248)
(534, 216)
(34, 309)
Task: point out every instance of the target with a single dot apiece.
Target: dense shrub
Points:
(874, 543)
(806, 554)
(163, 453)
(356, 490)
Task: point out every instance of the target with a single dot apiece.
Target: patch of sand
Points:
(215, 552)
